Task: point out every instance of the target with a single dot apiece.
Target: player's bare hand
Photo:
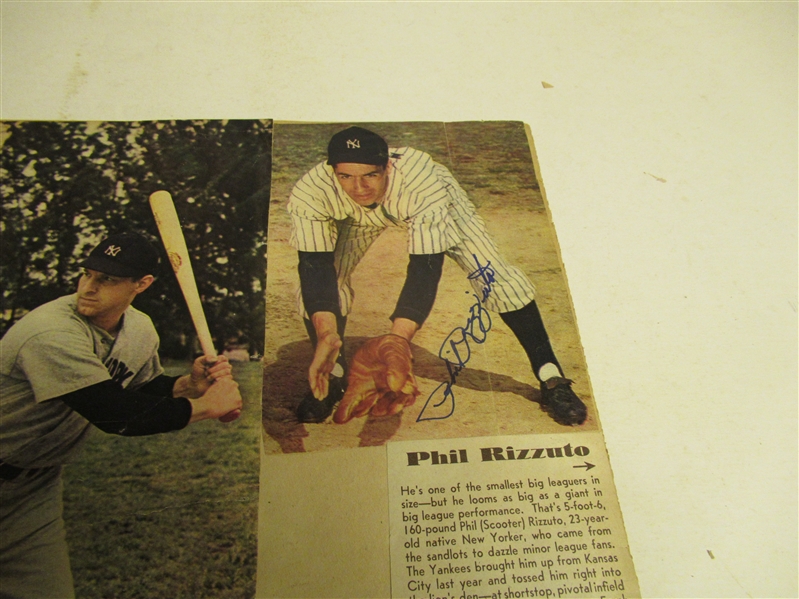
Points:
(324, 361)
(221, 400)
(381, 380)
(205, 370)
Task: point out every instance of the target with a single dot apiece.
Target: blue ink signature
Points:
(456, 351)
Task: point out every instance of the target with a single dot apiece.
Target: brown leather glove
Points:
(380, 381)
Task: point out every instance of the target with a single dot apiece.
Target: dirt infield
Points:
(497, 393)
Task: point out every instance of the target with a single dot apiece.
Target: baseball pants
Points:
(510, 289)
(34, 560)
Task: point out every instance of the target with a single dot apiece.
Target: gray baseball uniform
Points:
(50, 352)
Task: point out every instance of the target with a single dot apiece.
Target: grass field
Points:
(169, 516)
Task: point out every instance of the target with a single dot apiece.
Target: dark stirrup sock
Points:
(529, 329)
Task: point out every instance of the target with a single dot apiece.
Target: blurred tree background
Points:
(65, 185)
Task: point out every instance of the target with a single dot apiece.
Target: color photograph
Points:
(129, 428)
(414, 289)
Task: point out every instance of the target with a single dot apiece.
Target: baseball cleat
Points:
(314, 410)
(561, 403)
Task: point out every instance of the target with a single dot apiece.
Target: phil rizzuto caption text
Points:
(492, 535)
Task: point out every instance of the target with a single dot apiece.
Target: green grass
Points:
(169, 516)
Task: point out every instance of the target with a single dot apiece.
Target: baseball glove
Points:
(380, 381)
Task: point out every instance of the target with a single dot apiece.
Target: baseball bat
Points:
(166, 217)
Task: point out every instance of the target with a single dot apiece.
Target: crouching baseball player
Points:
(337, 210)
(81, 360)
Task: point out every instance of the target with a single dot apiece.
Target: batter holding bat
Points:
(84, 359)
(337, 210)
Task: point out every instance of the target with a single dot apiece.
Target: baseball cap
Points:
(123, 255)
(357, 145)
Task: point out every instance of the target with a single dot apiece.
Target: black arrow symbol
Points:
(587, 466)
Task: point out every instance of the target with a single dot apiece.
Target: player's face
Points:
(103, 298)
(364, 183)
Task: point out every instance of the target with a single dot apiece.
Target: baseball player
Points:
(81, 360)
(337, 210)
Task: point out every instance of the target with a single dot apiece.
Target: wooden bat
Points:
(166, 217)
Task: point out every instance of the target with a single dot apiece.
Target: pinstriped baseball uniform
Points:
(424, 197)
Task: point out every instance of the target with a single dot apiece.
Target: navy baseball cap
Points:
(124, 255)
(357, 145)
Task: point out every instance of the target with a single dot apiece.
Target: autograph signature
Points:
(456, 350)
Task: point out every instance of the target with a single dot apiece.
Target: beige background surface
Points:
(668, 149)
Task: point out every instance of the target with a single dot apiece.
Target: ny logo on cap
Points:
(353, 143)
(112, 250)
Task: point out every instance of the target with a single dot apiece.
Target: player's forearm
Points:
(421, 286)
(120, 411)
(318, 282)
(325, 324)
(223, 397)
(202, 409)
(160, 386)
(404, 327)
(184, 388)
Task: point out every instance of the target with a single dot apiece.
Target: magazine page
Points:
(453, 448)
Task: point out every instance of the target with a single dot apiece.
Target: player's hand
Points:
(324, 361)
(381, 380)
(221, 400)
(205, 370)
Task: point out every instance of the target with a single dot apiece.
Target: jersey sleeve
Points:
(160, 386)
(318, 283)
(60, 361)
(421, 285)
(119, 411)
(312, 208)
